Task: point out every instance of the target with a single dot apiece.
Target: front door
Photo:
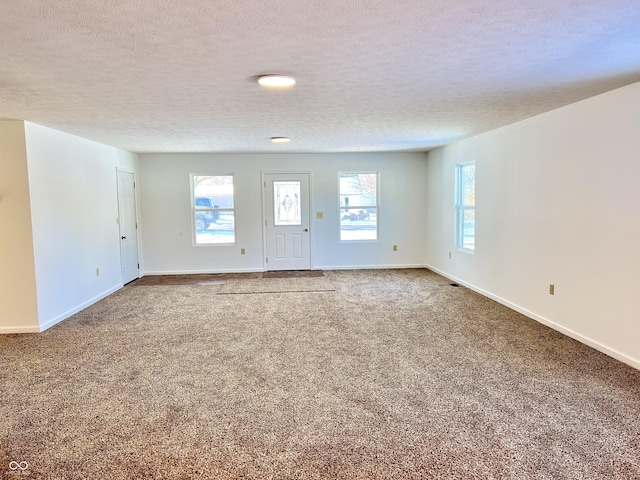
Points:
(286, 197)
(128, 226)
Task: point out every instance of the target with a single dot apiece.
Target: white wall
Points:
(74, 210)
(558, 201)
(18, 307)
(166, 210)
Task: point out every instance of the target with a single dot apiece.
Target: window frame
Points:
(461, 208)
(343, 207)
(194, 209)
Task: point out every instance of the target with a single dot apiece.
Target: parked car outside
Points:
(360, 215)
(204, 218)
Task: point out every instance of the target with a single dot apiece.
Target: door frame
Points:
(266, 203)
(135, 210)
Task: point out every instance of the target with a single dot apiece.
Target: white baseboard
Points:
(545, 321)
(366, 267)
(80, 307)
(199, 272)
(258, 270)
(9, 330)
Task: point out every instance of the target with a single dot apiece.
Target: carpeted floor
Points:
(276, 285)
(386, 374)
(221, 278)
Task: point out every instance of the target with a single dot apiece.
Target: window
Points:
(213, 209)
(466, 206)
(358, 206)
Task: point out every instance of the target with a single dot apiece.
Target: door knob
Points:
(123, 238)
(306, 229)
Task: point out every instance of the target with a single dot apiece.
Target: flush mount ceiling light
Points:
(276, 81)
(280, 139)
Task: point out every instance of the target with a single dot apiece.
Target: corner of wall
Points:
(18, 300)
(550, 190)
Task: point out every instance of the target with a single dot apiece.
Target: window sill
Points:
(359, 241)
(214, 244)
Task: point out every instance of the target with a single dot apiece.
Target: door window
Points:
(286, 203)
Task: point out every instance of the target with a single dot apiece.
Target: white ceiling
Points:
(179, 75)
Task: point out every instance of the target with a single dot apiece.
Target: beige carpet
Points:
(220, 278)
(276, 285)
(388, 375)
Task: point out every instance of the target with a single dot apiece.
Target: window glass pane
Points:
(213, 191)
(358, 224)
(213, 214)
(219, 230)
(358, 189)
(286, 203)
(359, 206)
(468, 185)
(465, 206)
(468, 229)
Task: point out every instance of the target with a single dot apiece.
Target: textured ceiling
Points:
(179, 76)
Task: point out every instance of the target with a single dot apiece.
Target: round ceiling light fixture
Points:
(280, 139)
(276, 81)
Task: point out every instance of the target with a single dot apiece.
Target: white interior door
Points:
(286, 200)
(128, 226)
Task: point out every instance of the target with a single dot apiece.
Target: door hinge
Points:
(266, 260)
(134, 184)
(138, 266)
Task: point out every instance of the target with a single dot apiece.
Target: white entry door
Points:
(286, 200)
(128, 226)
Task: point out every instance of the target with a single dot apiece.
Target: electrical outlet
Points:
(242, 251)
(449, 255)
(395, 248)
(552, 289)
(97, 272)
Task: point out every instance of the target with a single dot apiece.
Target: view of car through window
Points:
(214, 213)
(207, 217)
